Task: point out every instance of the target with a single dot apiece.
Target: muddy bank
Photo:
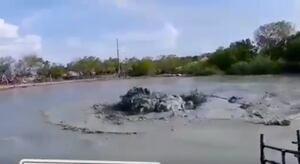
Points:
(142, 105)
(98, 78)
(85, 130)
(36, 84)
(139, 102)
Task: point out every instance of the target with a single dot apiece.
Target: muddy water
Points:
(26, 133)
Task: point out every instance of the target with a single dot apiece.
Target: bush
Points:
(199, 68)
(222, 58)
(243, 50)
(87, 65)
(259, 65)
(168, 64)
(239, 68)
(264, 65)
(292, 49)
(291, 67)
(143, 67)
(57, 72)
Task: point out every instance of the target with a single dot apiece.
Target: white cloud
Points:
(16, 45)
(8, 30)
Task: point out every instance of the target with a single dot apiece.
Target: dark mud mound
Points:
(143, 101)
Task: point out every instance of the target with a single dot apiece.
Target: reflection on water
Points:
(24, 132)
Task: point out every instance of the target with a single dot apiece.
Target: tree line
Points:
(275, 49)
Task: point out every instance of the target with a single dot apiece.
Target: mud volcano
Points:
(140, 104)
(143, 101)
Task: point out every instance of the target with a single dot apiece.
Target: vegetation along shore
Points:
(274, 50)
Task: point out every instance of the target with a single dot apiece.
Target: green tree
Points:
(44, 71)
(57, 71)
(240, 68)
(88, 66)
(222, 58)
(269, 35)
(143, 67)
(292, 48)
(243, 50)
(110, 66)
(168, 64)
(259, 65)
(198, 68)
(6, 64)
(32, 63)
(28, 65)
(290, 54)
(128, 63)
(6, 68)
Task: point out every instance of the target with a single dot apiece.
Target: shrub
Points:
(264, 65)
(222, 58)
(239, 68)
(259, 65)
(291, 67)
(143, 67)
(199, 68)
(292, 50)
(57, 72)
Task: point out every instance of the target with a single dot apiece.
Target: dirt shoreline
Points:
(25, 85)
(100, 78)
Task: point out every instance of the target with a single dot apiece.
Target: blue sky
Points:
(62, 30)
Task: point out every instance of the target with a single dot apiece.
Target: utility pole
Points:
(118, 56)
